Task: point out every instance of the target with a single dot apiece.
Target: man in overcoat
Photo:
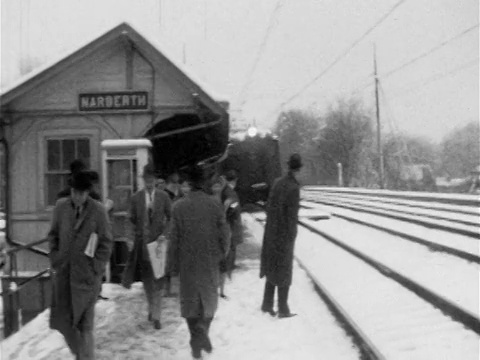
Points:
(233, 211)
(77, 277)
(200, 238)
(150, 213)
(279, 238)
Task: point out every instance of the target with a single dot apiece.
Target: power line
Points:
(263, 45)
(436, 77)
(425, 54)
(368, 81)
(341, 56)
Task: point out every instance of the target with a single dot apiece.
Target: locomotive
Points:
(255, 156)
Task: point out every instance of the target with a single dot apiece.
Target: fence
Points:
(25, 294)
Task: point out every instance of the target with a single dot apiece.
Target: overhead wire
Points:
(263, 45)
(368, 81)
(341, 55)
(429, 52)
(436, 77)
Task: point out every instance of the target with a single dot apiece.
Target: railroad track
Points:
(461, 247)
(468, 227)
(389, 290)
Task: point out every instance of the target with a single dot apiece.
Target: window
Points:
(60, 153)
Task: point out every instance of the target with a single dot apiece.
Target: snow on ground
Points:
(461, 242)
(239, 331)
(449, 276)
(399, 323)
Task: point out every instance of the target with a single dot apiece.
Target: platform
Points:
(239, 331)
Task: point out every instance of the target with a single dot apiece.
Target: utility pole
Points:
(379, 138)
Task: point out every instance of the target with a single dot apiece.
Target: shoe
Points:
(100, 297)
(207, 345)
(269, 311)
(286, 315)
(157, 325)
(197, 353)
(223, 296)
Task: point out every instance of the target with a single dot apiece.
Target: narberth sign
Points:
(122, 100)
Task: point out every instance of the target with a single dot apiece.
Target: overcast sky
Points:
(220, 39)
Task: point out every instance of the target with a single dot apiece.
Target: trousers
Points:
(152, 289)
(199, 328)
(269, 294)
(80, 338)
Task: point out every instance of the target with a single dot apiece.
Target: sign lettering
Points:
(122, 100)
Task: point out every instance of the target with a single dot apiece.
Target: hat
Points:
(76, 166)
(295, 162)
(148, 170)
(82, 181)
(94, 177)
(196, 175)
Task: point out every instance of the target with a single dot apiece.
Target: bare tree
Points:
(347, 138)
(460, 150)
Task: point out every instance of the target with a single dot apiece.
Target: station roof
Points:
(147, 45)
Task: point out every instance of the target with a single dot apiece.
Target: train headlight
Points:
(252, 131)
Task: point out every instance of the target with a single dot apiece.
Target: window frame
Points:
(64, 134)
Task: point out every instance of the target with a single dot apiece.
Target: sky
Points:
(221, 40)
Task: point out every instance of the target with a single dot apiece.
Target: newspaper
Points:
(157, 252)
(92, 245)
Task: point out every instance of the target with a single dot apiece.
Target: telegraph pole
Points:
(379, 138)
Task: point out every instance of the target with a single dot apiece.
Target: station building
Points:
(118, 86)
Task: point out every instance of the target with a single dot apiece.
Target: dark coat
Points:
(233, 215)
(199, 239)
(280, 231)
(161, 216)
(78, 278)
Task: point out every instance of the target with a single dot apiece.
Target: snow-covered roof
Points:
(15, 89)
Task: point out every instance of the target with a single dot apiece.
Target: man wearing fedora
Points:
(150, 213)
(279, 239)
(80, 241)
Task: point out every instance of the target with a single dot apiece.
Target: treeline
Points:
(346, 134)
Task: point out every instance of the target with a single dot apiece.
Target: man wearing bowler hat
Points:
(279, 238)
(150, 213)
(80, 240)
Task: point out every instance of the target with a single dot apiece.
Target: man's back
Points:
(199, 226)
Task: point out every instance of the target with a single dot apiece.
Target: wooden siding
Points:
(103, 72)
(51, 110)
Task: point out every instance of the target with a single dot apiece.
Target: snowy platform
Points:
(239, 331)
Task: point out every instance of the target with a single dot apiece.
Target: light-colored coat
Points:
(161, 216)
(199, 239)
(78, 278)
(280, 231)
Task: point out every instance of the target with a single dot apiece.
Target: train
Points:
(254, 154)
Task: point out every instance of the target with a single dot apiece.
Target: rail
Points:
(20, 308)
(457, 199)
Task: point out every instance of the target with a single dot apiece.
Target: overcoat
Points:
(161, 216)
(233, 214)
(199, 239)
(77, 278)
(280, 231)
